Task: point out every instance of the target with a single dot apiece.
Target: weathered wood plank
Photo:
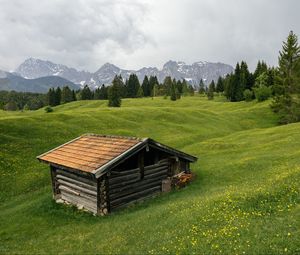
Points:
(59, 176)
(135, 189)
(79, 202)
(134, 195)
(156, 165)
(78, 188)
(116, 207)
(156, 174)
(113, 180)
(125, 172)
(74, 192)
(158, 169)
(77, 177)
(136, 184)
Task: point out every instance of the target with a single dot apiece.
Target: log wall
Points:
(128, 186)
(77, 190)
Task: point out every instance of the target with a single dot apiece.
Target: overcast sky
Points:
(131, 34)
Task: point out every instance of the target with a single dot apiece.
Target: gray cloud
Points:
(132, 33)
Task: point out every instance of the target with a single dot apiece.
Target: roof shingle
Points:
(89, 152)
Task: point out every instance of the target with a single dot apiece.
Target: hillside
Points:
(12, 81)
(245, 198)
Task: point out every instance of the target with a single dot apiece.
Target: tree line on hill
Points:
(281, 83)
(150, 87)
(13, 101)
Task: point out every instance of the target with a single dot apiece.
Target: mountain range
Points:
(38, 75)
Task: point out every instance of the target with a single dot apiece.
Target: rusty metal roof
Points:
(90, 152)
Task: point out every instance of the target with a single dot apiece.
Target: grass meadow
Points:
(245, 200)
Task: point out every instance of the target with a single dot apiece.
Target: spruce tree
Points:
(220, 85)
(86, 93)
(152, 82)
(97, 93)
(167, 85)
(287, 100)
(210, 92)
(179, 87)
(173, 96)
(51, 97)
(74, 98)
(66, 95)
(57, 96)
(212, 86)
(146, 87)
(185, 88)
(133, 86)
(103, 92)
(114, 93)
(201, 87)
(140, 92)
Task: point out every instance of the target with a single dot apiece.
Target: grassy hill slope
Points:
(245, 199)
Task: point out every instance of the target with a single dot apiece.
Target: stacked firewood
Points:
(182, 179)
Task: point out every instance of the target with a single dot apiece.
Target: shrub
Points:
(262, 93)
(48, 109)
(248, 95)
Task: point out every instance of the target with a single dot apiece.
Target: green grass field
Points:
(245, 200)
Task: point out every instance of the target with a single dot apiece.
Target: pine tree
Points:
(146, 87)
(220, 85)
(212, 86)
(74, 98)
(173, 96)
(210, 92)
(140, 92)
(185, 88)
(152, 82)
(97, 93)
(201, 87)
(245, 81)
(234, 89)
(57, 96)
(103, 92)
(51, 97)
(287, 82)
(133, 86)
(179, 87)
(167, 85)
(114, 93)
(86, 93)
(66, 95)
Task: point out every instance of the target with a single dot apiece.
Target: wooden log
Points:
(54, 186)
(124, 178)
(136, 189)
(77, 177)
(155, 166)
(78, 201)
(156, 174)
(158, 169)
(78, 188)
(59, 176)
(136, 184)
(125, 172)
(134, 201)
(130, 182)
(73, 192)
(135, 195)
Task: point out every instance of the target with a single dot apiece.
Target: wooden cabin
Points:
(101, 173)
